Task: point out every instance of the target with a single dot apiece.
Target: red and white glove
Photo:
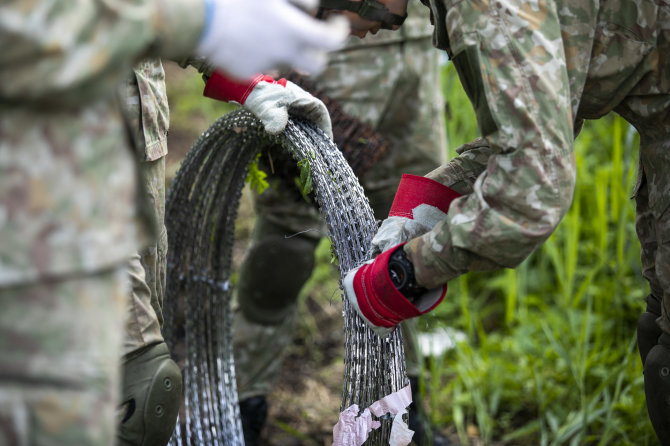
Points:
(419, 204)
(270, 101)
(376, 299)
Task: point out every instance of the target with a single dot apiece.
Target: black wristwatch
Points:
(401, 271)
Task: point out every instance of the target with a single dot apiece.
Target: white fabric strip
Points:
(353, 430)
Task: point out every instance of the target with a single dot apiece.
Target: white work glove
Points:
(245, 37)
(419, 204)
(270, 101)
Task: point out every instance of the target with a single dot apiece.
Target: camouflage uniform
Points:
(534, 71)
(67, 214)
(391, 81)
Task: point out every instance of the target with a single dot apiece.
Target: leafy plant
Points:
(256, 177)
(304, 181)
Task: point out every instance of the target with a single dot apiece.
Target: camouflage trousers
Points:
(60, 343)
(146, 269)
(395, 88)
(652, 223)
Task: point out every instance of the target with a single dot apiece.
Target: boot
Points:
(253, 412)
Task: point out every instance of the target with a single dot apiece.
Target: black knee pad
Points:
(152, 394)
(657, 388)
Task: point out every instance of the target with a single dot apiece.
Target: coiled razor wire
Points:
(201, 208)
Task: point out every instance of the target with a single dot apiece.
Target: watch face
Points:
(401, 271)
(398, 273)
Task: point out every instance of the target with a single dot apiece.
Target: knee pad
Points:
(151, 397)
(657, 388)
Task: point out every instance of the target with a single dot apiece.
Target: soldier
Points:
(67, 191)
(391, 81)
(533, 72)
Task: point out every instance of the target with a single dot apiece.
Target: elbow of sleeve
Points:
(550, 216)
(549, 203)
(529, 232)
(563, 195)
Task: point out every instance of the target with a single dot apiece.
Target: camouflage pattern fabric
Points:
(259, 352)
(534, 71)
(59, 351)
(67, 206)
(653, 224)
(61, 132)
(390, 81)
(146, 108)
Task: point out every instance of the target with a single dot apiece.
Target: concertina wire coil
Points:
(201, 208)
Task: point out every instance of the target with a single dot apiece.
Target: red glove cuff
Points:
(223, 88)
(379, 300)
(414, 190)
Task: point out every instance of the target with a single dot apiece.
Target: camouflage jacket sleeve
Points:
(510, 58)
(62, 53)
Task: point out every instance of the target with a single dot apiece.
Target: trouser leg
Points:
(151, 381)
(147, 269)
(653, 228)
(60, 344)
(259, 351)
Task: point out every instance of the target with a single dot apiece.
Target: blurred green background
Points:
(548, 354)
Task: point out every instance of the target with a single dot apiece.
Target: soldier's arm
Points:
(511, 63)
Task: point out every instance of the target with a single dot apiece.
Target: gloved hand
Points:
(373, 294)
(270, 101)
(245, 37)
(419, 204)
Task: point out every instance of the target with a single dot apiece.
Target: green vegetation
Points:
(256, 178)
(304, 181)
